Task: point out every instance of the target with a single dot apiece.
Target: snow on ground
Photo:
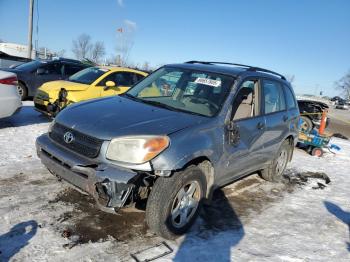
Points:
(251, 220)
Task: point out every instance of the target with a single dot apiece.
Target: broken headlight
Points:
(136, 149)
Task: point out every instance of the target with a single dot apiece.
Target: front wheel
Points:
(274, 172)
(174, 202)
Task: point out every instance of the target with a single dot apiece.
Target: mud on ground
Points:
(230, 208)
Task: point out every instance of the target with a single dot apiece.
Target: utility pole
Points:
(30, 28)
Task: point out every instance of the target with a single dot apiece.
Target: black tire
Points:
(307, 124)
(163, 198)
(22, 90)
(274, 172)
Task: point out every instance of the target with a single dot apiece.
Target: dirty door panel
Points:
(246, 155)
(243, 155)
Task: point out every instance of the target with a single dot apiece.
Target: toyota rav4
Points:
(208, 125)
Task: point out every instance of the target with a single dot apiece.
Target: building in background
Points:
(12, 54)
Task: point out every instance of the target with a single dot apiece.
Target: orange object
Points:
(323, 122)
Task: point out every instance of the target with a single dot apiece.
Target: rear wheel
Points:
(22, 90)
(274, 172)
(174, 202)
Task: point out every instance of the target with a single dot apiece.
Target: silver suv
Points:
(174, 138)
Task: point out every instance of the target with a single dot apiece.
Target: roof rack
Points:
(249, 68)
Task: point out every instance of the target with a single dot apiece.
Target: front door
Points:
(243, 145)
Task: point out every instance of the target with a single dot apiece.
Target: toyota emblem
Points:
(68, 137)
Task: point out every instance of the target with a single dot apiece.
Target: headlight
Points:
(136, 149)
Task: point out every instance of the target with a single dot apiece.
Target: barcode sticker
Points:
(208, 82)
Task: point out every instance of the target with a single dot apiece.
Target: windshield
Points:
(30, 66)
(184, 90)
(88, 75)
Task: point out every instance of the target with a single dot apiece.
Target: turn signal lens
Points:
(155, 146)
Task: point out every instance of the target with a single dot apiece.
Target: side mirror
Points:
(109, 84)
(40, 71)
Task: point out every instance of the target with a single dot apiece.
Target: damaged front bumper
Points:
(109, 185)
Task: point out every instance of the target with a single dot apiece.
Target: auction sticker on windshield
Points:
(209, 82)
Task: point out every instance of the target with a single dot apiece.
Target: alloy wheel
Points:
(185, 204)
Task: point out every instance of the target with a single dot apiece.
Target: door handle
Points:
(285, 118)
(260, 125)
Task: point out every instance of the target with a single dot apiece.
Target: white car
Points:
(10, 100)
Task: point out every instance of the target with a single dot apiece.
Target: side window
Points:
(70, 69)
(245, 103)
(139, 77)
(120, 79)
(110, 77)
(274, 100)
(124, 79)
(290, 98)
(53, 69)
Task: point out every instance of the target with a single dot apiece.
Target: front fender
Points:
(189, 144)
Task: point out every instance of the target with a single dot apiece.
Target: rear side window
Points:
(274, 100)
(290, 98)
(53, 69)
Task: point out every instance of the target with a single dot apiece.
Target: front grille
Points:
(82, 144)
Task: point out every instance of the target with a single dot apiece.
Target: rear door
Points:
(276, 115)
(245, 154)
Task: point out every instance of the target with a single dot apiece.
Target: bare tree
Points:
(344, 85)
(98, 51)
(61, 53)
(82, 46)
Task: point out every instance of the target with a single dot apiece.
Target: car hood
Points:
(116, 116)
(57, 85)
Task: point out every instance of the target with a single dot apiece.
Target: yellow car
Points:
(92, 82)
